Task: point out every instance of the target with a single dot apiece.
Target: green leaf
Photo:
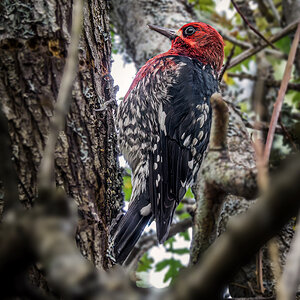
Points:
(296, 97)
(145, 263)
(189, 194)
(185, 235)
(169, 242)
(174, 266)
(161, 265)
(284, 44)
(127, 187)
(179, 207)
(244, 63)
(203, 5)
(179, 251)
(184, 215)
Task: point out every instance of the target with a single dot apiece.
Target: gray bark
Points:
(33, 42)
(132, 17)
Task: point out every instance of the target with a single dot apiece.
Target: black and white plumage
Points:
(164, 125)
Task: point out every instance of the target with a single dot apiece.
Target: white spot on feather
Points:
(146, 210)
(187, 141)
(155, 166)
(162, 119)
(126, 122)
(206, 107)
(201, 121)
(195, 141)
(200, 135)
(191, 164)
(193, 151)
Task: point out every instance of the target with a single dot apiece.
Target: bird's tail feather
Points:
(129, 229)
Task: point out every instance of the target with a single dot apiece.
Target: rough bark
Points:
(33, 42)
(132, 17)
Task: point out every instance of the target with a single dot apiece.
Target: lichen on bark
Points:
(34, 36)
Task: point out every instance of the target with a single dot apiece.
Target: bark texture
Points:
(34, 36)
(132, 17)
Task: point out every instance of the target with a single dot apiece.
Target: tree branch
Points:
(250, 26)
(243, 237)
(269, 82)
(246, 54)
(46, 172)
(224, 68)
(281, 94)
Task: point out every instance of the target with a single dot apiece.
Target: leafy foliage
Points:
(127, 187)
(145, 263)
(203, 5)
(173, 265)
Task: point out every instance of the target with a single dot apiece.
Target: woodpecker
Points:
(164, 126)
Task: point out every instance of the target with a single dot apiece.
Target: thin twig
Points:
(250, 26)
(262, 126)
(295, 116)
(227, 63)
(274, 11)
(276, 83)
(259, 271)
(281, 94)
(233, 40)
(246, 54)
(242, 76)
(46, 172)
(287, 134)
(269, 82)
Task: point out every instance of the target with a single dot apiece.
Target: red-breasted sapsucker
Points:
(164, 126)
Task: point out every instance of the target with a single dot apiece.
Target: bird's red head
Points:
(196, 40)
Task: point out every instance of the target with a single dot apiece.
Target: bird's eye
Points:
(189, 31)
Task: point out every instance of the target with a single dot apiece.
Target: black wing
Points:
(185, 120)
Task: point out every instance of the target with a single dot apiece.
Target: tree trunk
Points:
(34, 36)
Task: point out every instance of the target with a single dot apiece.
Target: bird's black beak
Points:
(169, 33)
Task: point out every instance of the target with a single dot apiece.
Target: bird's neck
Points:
(206, 55)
